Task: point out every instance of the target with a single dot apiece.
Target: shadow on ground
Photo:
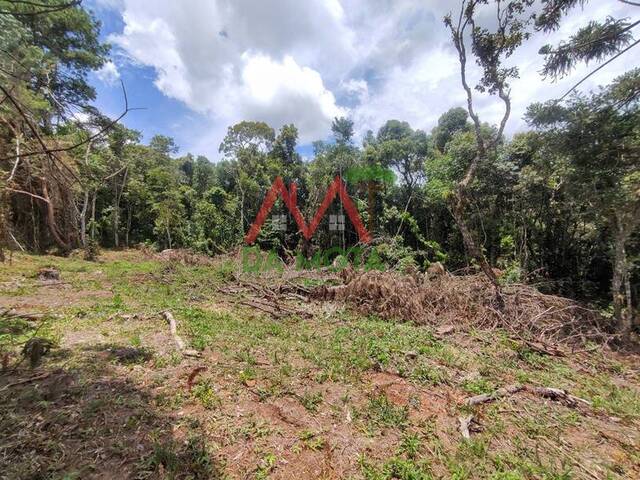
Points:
(86, 421)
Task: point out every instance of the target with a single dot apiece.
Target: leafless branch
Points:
(48, 151)
(24, 192)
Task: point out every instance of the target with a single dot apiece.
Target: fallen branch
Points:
(26, 380)
(465, 423)
(25, 316)
(543, 348)
(180, 345)
(546, 392)
(490, 397)
(558, 394)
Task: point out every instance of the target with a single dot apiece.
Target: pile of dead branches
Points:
(469, 301)
(279, 300)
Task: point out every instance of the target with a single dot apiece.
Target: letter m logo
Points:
(289, 197)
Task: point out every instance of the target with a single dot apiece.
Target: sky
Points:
(198, 66)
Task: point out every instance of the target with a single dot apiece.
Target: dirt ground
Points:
(271, 383)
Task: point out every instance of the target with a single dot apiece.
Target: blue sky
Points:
(198, 66)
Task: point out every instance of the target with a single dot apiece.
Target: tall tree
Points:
(490, 50)
(600, 135)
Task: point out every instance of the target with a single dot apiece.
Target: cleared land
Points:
(285, 386)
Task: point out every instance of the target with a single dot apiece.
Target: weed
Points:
(429, 375)
(266, 466)
(247, 375)
(410, 445)
(204, 392)
(193, 460)
(311, 401)
(478, 386)
(384, 413)
(311, 440)
(395, 469)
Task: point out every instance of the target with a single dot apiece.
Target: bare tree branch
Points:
(46, 150)
(24, 192)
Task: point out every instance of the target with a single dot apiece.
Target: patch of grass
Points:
(410, 445)
(383, 413)
(205, 393)
(617, 400)
(396, 469)
(311, 401)
(478, 386)
(193, 460)
(254, 429)
(265, 466)
(429, 375)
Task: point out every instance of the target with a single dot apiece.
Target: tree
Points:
(600, 136)
(449, 123)
(247, 145)
(68, 38)
(47, 51)
(284, 146)
(403, 149)
(342, 129)
(490, 49)
(247, 136)
(164, 145)
(598, 40)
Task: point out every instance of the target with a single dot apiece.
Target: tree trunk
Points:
(470, 243)
(116, 213)
(93, 215)
(51, 220)
(128, 229)
(83, 219)
(85, 204)
(621, 314)
(116, 209)
(17, 162)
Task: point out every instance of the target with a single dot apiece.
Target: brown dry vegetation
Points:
(287, 386)
(469, 301)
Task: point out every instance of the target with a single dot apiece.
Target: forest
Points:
(554, 209)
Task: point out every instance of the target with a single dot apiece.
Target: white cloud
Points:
(108, 73)
(278, 92)
(284, 61)
(236, 59)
